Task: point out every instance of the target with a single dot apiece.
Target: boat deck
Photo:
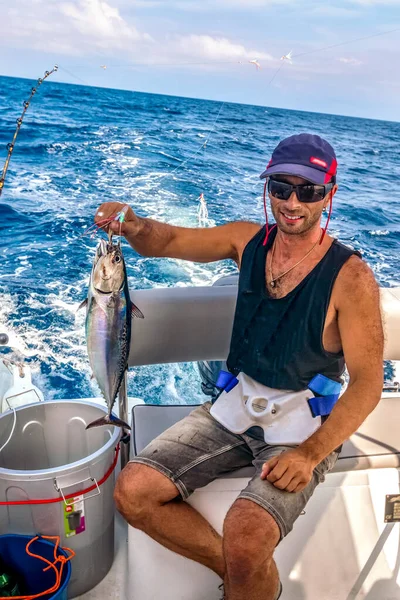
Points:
(113, 586)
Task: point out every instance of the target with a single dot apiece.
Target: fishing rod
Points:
(11, 145)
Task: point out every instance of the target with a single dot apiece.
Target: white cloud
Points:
(96, 18)
(354, 62)
(218, 48)
(97, 28)
(76, 27)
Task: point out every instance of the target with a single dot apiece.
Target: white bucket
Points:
(51, 455)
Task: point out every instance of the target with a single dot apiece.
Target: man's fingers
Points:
(106, 211)
(293, 485)
(117, 227)
(301, 486)
(268, 466)
(286, 479)
(277, 471)
(109, 210)
(287, 471)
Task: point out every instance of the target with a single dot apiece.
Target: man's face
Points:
(307, 215)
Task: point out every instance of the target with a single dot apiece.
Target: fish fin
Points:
(82, 304)
(136, 312)
(108, 420)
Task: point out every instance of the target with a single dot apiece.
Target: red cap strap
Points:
(332, 171)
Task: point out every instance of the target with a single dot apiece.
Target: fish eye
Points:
(117, 259)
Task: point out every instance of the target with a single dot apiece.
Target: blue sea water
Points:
(80, 146)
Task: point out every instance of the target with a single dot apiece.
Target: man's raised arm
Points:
(152, 238)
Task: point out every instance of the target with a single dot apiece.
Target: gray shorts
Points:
(197, 450)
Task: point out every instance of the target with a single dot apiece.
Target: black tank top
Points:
(278, 342)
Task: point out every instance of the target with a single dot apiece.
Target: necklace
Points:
(273, 279)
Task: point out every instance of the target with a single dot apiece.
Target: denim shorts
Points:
(197, 450)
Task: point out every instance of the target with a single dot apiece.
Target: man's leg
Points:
(149, 501)
(151, 489)
(261, 516)
(251, 535)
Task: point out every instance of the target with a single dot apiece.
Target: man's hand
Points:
(106, 211)
(291, 471)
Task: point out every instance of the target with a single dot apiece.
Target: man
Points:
(303, 303)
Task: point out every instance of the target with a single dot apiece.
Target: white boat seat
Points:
(375, 445)
(184, 324)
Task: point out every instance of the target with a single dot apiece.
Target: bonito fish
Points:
(109, 311)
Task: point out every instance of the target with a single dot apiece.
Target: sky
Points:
(202, 49)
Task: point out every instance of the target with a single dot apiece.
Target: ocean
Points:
(80, 146)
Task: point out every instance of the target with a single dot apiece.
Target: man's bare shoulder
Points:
(247, 228)
(355, 281)
(244, 231)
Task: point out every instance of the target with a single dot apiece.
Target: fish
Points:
(109, 313)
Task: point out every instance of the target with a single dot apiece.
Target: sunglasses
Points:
(305, 193)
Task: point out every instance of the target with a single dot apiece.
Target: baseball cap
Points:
(304, 155)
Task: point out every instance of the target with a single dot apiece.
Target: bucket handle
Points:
(60, 489)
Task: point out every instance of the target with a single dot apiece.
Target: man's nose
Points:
(293, 202)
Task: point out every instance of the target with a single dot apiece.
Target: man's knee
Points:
(250, 537)
(140, 490)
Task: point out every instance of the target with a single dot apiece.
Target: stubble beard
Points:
(307, 223)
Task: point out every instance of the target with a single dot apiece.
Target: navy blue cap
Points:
(304, 155)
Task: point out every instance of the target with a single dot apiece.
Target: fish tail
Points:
(108, 420)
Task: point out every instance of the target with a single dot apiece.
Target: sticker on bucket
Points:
(74, 517)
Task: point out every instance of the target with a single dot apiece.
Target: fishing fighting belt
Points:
(286, 417)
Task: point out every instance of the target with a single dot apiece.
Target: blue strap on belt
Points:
(328, 393)
(226, 381)
(321, 406)
(324, 386)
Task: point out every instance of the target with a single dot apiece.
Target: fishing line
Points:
(182, 64)
(202, 145)
(72, 75)
(210, 63)
(275, 74)
(348, 42)
(11, 145)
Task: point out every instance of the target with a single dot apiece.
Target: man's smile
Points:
(292, 217)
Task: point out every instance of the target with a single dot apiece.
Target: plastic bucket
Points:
(51, 455)
(29, 570)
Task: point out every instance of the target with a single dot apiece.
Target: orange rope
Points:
(50, 565)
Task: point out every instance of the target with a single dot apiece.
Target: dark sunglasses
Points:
(305, 193)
